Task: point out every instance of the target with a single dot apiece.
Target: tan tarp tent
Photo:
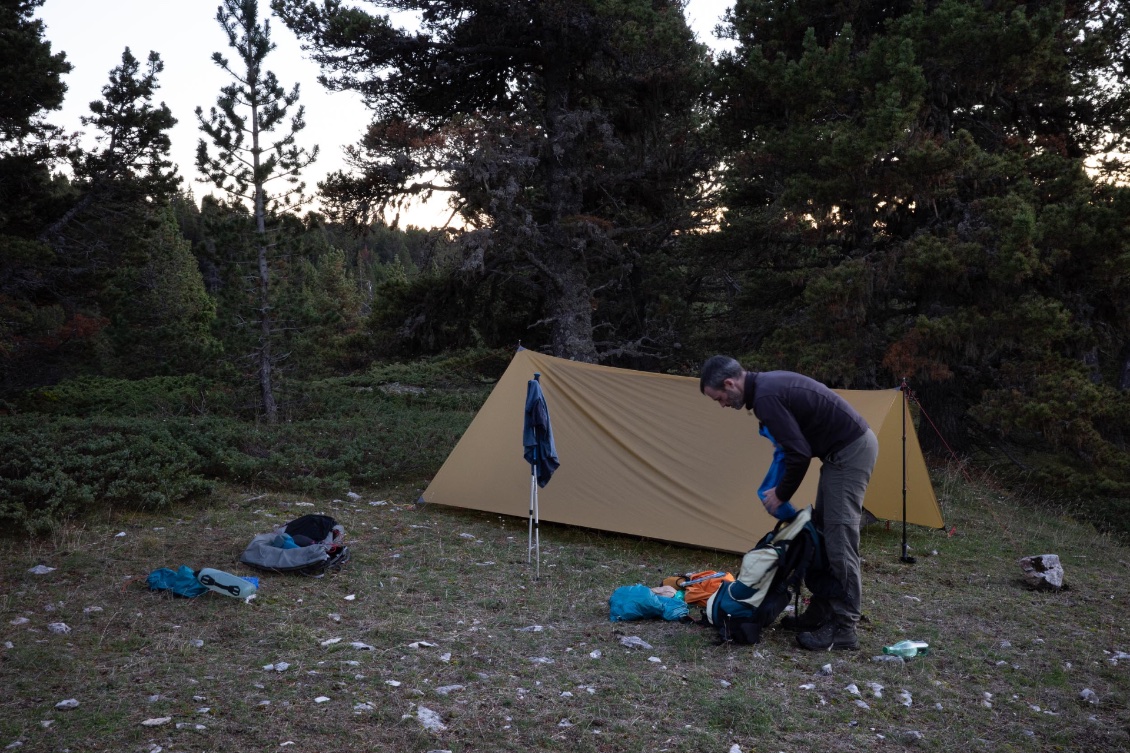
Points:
(647, 454)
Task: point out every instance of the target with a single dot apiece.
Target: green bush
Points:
(55, 470)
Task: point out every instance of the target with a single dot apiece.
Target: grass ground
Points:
(448, 618)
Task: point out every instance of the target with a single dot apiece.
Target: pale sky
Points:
(185, 33)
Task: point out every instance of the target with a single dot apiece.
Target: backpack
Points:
(309, 545)
(771, 574)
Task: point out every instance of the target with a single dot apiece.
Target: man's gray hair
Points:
(717, 370)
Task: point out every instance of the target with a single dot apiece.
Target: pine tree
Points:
(907, 196)
(249, 155)
(566, 132)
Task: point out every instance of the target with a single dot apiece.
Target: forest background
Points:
(864, 192)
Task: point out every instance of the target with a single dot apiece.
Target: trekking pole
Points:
(905, 547)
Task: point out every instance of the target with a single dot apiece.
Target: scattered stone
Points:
(725, 683)
(735, 748)
(422, 644)
(655, 660)
(632, 641)
(862, 704)
(595, 654)
(335, 617)
(541, 660)
(912, 735)
(353, 495)
(826, 670)
(20, 621)
(889, 658)
(119, 534)
(430, 720)
(70, 703)
(350, 597)
(530, 629)
(445, 657)
(277, 667)
(41, 570)
(1088, 695)
(876, 689)
(904, 698)
(393, 683)
(59, 628)
(1006, 644)
(853, 689)
(564, 723)
(445, 689)
(91, 610)
(1043, 571)
(156, 721)
(330, 642)
(361, 646)
(808, 686)
(321, 699)
(197, 643)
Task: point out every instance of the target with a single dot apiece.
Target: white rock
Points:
(59, 628)
(530, 629)
(70, 703)
(808, 686)
(20, 621)
(541, 660)
(466, 535)
(1042, 571)
(826, 670)
(595, 654)
(861, 703)
(735, 748)
(422, 644)
(335, 617)
(393, 683)
(351, 597)
(853, 689)
(379, 503)
(655, 660)
(445, 657)
(330, 641)
(321, 699)
(445, 689)
(353, 495)
(876, 689)
(1088, 695)
(361, 646)
(91, 610)
(119, 535)
(156, 721)
(41, 570)
(564, 723)
(887, 658)
(364, 706)
(904, 698)
(430, 720)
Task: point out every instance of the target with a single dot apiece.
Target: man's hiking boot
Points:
(835, 634)
(813, 618)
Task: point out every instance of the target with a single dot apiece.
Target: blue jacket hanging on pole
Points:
(537, 434)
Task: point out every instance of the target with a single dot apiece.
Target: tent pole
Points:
(905, 557)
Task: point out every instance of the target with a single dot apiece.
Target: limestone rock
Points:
(1043, 571)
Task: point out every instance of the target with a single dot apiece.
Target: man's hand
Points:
(771, 502)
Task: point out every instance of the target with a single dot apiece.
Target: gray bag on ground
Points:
(308, 545)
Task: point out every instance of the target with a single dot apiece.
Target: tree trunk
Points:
(570, 307)
(270, 408)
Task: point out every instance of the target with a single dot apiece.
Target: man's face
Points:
(732, 394)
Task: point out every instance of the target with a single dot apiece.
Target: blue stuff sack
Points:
(639, 602)
(182, 581)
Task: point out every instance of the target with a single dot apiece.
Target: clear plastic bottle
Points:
(907, 649)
